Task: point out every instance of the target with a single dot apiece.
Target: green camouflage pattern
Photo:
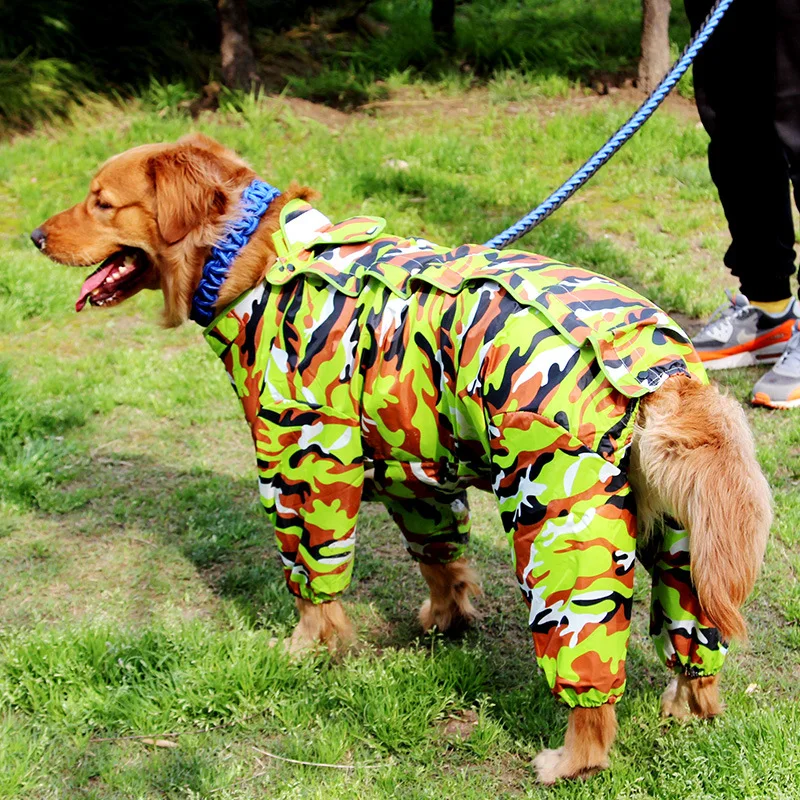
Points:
(374, 367)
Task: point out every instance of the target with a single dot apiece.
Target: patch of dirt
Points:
(511, 772)
(412, 101)
(331, 118)
(460, 725)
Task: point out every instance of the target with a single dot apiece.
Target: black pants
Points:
(747, 83)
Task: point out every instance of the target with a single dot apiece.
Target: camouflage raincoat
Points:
(373, 367)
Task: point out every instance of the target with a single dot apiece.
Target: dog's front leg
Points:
(313, 499)
(321, 624)
(590, 734)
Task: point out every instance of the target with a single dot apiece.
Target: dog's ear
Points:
(188, 190)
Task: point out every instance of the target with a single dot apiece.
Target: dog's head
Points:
(150, 217)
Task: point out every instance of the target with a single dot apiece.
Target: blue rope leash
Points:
(579, 178)
(256, 199)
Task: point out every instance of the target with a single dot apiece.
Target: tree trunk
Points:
(238, 61)
(443, 14)
(654, 62)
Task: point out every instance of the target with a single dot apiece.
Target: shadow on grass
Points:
(218, 524)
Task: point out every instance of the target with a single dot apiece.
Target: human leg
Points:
(748, 163)
(780, 387)
(735, 99)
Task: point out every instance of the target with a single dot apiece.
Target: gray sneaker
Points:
(740, 335)
(780, 387)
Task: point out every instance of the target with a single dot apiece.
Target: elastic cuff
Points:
(438, 558)
(703, 662)
(591, 698)
(692, 672)
(305, 592)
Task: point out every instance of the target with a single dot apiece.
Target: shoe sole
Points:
(751, 358)
(761, 399)
(767, 349)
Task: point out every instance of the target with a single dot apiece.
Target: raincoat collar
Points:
(304, 228)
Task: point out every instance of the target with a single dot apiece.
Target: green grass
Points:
(139, 586)
(543, 36)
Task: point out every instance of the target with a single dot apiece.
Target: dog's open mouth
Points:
(120, 276)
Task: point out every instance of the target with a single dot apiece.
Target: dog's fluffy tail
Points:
(693, 459)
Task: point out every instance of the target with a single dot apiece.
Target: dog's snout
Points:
(38, 237)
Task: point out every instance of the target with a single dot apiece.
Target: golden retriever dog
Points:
(153, 216)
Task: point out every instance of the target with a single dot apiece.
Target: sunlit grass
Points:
(139, 586)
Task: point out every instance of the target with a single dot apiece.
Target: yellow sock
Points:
(776, 307)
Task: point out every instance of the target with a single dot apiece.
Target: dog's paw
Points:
(426, 617)
(299, 644)
(547, 765)
(554, 765)
(438, 617)
(431, 617)
(453, 618)
(673, 704)
(293, 648)
(691, 697)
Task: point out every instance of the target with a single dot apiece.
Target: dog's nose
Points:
(38, 237)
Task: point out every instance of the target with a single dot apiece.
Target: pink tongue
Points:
(93, 281)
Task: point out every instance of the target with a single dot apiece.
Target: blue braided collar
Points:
(256, 199)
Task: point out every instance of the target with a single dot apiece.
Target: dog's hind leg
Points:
(693, 459)
(692, 696)
(435, 525)
(449, 608)
(685, 638)
(570, 517)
